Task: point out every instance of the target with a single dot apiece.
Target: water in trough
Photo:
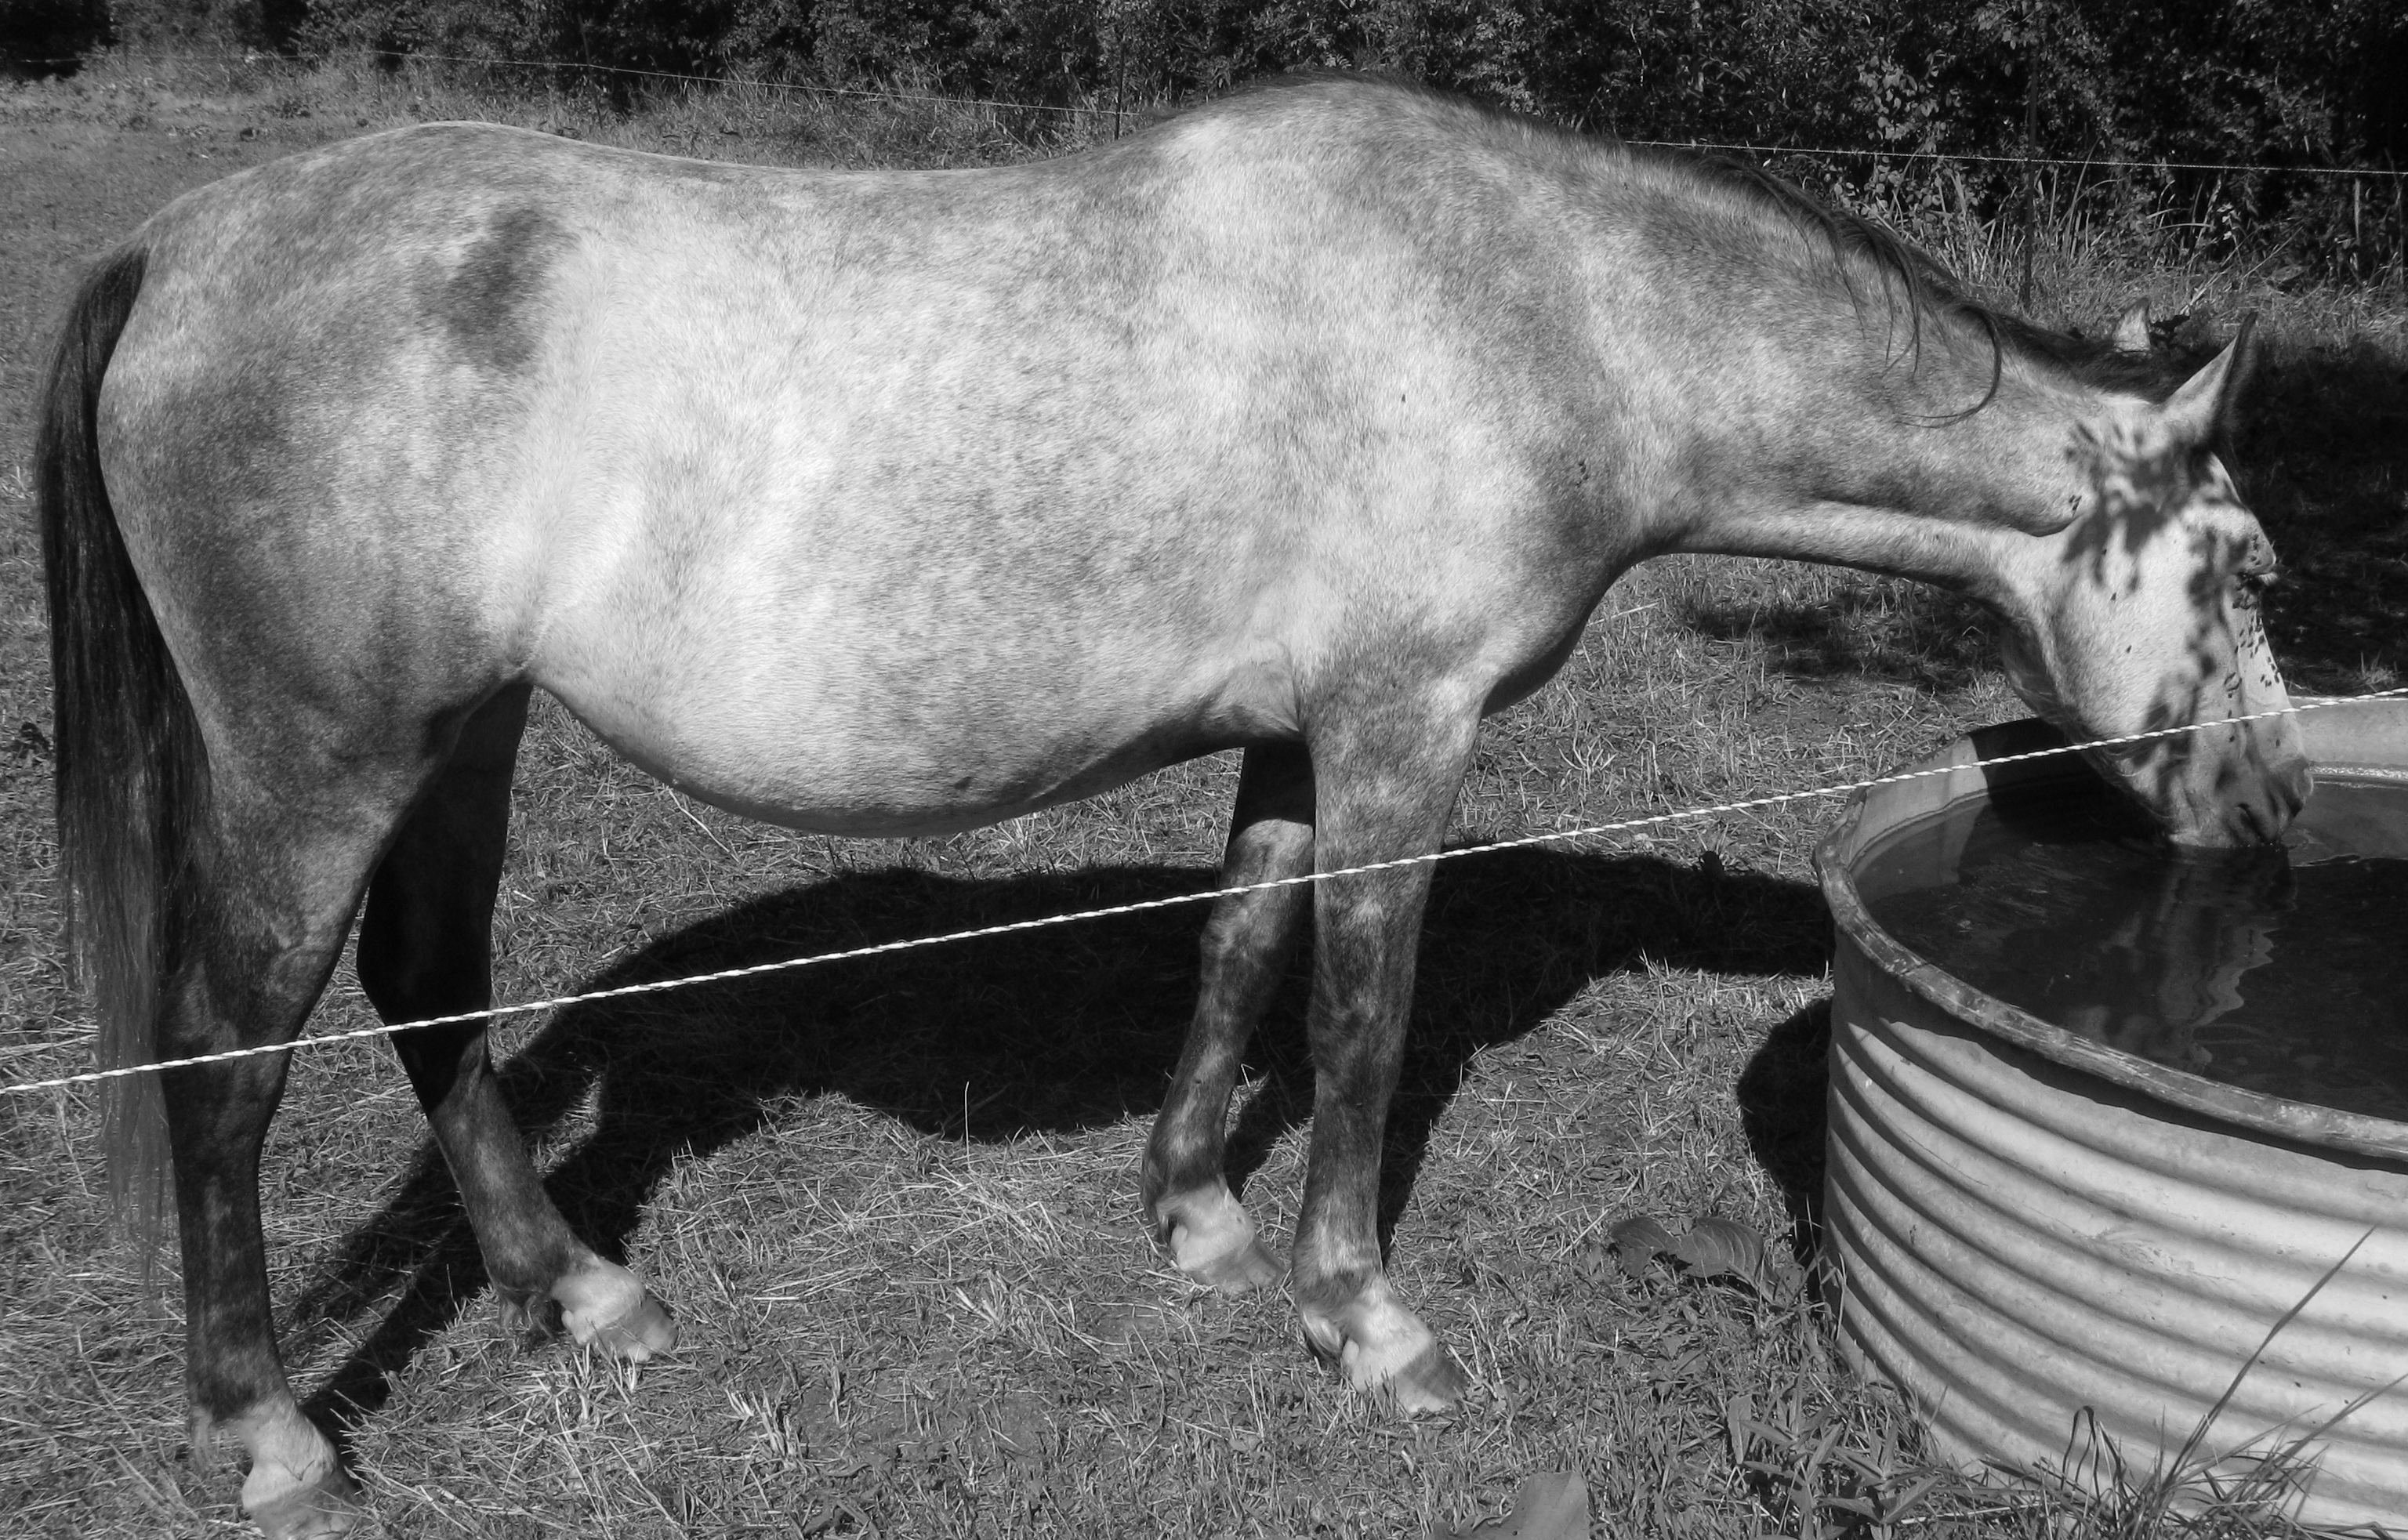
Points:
(2282, 970)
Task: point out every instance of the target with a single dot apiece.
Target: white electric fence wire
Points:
(885, 948)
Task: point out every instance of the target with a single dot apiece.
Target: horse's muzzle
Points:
(2258, 815)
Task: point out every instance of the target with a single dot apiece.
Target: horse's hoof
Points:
(1433, 1382)
(329, 1505)
(1252, 1266)
(637, 1334)
(1382, 1348)
(606, 1309)
(1212, 1242)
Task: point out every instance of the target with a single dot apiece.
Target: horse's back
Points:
(869, 499)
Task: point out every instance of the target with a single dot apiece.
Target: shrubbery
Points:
(2250, 79)
(2284, 84)
(47, 36)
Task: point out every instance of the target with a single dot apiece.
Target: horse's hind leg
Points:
(1245, 943)
(425, 950)
(248, 954)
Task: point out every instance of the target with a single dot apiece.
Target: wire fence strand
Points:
(885, 949)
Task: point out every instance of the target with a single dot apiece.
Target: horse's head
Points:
(2142, 612)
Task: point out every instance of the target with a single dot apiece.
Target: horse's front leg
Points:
(1245, 944)
(1385, 785)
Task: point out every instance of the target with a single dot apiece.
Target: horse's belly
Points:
(826, 779)
(887, 740)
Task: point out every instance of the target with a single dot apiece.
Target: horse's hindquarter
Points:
(887, 501)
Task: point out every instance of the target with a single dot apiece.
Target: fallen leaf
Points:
(1553, 1506)
(1718, 1248)
(1638, 1239)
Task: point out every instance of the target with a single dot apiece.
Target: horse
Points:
(1312, 422)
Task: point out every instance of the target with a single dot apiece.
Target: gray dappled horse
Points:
(1315, 421)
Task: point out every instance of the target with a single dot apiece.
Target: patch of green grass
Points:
(893, 1201)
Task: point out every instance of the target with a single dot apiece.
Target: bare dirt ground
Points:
(893, 1204)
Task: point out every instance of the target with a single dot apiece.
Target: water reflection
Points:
(2174, 963)
(2278, 970)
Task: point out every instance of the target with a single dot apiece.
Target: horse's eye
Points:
(2258, 581)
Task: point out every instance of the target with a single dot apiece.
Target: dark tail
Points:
(131, 774)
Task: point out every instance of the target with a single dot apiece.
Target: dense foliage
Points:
(2281, 83)
(44, 36)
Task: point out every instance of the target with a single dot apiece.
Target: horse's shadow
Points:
(1782, 1094)
(1052, 1030)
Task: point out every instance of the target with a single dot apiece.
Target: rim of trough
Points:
(2301, 1122)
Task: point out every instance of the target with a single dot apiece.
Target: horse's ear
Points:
(2131, 334)
(2201, 414)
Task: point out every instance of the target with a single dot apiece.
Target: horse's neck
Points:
(1876, 479)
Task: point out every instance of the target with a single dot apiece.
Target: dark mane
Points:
(1928, 289)
(1909, 276)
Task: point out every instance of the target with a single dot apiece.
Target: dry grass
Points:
(892, 1203)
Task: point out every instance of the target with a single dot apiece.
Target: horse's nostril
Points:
(2287, 793)
(2290, 790)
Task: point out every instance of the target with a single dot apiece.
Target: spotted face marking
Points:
(2150, 616)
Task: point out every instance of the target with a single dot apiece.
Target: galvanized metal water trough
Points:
(2065, 1255)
